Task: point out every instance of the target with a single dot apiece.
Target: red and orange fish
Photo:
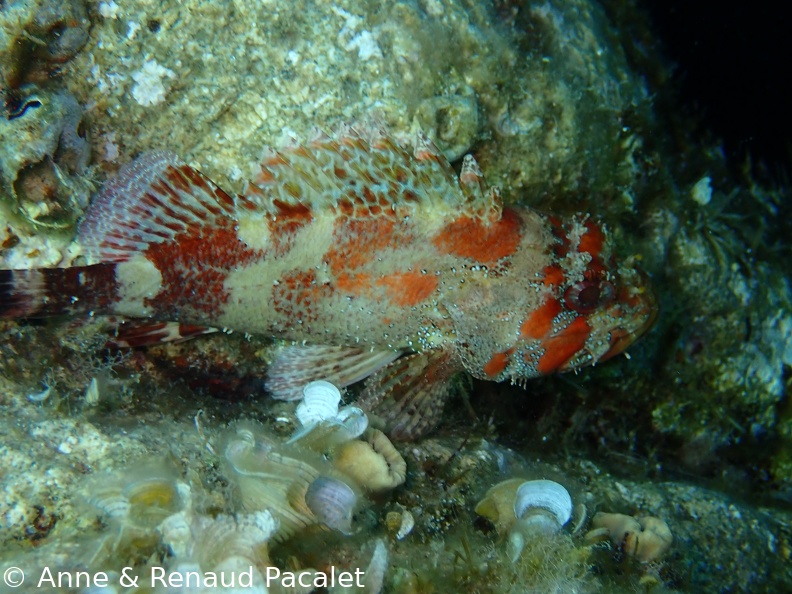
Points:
(379, 262)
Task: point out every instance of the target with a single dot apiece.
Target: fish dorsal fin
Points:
(153, 199)
(362, 172)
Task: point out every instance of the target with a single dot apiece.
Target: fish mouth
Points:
(645, 312)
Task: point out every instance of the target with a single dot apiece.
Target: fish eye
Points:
(588, 295)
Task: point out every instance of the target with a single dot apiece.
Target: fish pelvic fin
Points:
(295, 366)
(408, 396)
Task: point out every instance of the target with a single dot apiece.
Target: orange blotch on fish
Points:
(353, 284)
(559, 349)
(592, 240)
(497, 363)
(553, 275)
(479, 241)
(540, 322)
(358, 241)
(408, 289)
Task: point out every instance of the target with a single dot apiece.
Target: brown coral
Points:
(375, 464)
(645, 539)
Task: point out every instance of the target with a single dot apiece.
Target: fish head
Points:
(608, 310)
(584, 307)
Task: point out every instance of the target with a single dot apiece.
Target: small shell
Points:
(546, 501)
(320, 402)
(377, 567)
(332, 502)
(407, 525)
(91, 393)
(353, 420)
(541, 507)
(324, 436)
(40, 396)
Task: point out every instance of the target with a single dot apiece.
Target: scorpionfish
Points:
(371, 259)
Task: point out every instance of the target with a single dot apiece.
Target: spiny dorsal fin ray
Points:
(365, 171)
(152, 200)
(358, 172)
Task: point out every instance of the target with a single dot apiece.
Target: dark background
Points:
(733, 71)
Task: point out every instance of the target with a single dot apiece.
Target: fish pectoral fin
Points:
(295, 366)
(407, 397)
(137, 333)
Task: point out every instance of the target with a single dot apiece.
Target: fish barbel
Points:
(377, 261)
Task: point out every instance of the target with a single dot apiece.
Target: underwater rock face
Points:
(38, 36)
(451, 122)
(45, 152)
(462, 72)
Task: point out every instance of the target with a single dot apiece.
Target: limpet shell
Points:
(320, 402)
(544, 504)
(498, 504)
(353, 420)
(541, 507)
(333, 502)
(324, 436)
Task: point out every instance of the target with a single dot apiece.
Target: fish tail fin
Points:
(56, 291)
